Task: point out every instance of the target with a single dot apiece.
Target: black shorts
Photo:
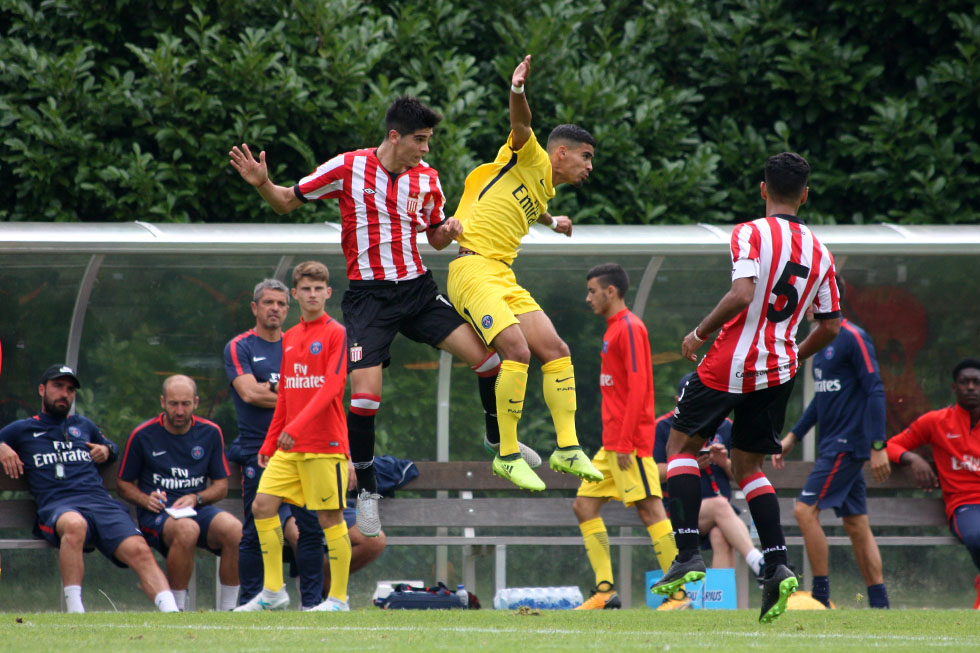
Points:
(758, 421)
(375, 311)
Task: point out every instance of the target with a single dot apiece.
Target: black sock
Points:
(488, 398)
(684, 506)
(765, 513)
(360, 433)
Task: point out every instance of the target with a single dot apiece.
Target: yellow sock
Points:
(511, 388)
(559, 394)
(270, 541)
(597, 548)
(662, 536)
(338, 549)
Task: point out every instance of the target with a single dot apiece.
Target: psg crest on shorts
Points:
(487, 321)
(250, 471)
(355, 353)
(197, 452)
(316, 348)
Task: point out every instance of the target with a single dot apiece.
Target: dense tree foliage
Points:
(116, 110)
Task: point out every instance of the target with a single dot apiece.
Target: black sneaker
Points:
(775, 592)
(679, 574)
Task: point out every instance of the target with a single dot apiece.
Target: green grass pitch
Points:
(370, 629)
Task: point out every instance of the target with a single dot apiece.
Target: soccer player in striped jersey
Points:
(626, 458)
(953, 434)
(849, 405)
(501, 200)
(779, 269)
(387, 195)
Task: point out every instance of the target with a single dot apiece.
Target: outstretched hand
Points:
(522, 72)
(253, 171)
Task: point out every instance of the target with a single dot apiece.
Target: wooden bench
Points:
(501, 519)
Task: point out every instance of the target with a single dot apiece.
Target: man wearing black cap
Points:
(58, 454)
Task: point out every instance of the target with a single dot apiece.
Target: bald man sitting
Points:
(165, 471)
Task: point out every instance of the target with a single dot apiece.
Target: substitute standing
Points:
(626, 457)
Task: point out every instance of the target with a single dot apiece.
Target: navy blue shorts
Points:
(756, 425)
(152, 523)
(109, 523)
(376, 311)
(837, 482)
(965, 524)
(350, 516)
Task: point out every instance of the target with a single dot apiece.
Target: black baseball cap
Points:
(58, 371)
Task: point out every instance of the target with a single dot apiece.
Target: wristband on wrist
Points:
(554, 224)
(696, 336)
(517, 89)
(878, 445)
(262, 184)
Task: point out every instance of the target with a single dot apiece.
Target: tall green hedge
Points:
(115, 110)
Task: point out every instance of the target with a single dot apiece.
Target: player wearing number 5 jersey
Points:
(779, 269)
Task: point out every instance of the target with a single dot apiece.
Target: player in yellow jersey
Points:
(501, 200)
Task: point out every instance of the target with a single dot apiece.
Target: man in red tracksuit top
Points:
(306, 450)
(953, 434)
(626, 457)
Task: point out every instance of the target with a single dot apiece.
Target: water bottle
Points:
(462, 596)
(538, 598)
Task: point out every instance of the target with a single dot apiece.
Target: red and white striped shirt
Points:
(757, 348)
(380, 213)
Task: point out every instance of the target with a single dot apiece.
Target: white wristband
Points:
(696, 336)
(517, 89)
(554, 223)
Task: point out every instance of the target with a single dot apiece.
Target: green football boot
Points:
(516, 470)
(572, 460)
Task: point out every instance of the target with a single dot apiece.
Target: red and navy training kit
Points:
(955, 448)
(849, 406)
(248, 353)
(156, 459)
(63, 478)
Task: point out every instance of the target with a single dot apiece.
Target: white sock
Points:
(754, 560)
(165, 601)
(73, 599)
(269, 595)
(227, 597)
(180, 598)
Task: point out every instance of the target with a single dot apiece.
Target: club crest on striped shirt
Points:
(355, 353)
(412, 204)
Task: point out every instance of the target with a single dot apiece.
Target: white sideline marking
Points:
(864, 638)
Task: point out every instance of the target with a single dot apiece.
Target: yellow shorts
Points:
(317, 481)
(640, 481)
(486, 293)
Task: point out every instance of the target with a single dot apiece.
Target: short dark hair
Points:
(610, 274)
(965, 364)
(786, 176)
(407, 115)
(570, 134)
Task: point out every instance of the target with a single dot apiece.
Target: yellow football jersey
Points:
(501, 200)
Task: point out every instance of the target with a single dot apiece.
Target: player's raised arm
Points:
(282, 199)
(520, 112)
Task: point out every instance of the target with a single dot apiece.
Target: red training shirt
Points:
(955, 448)
(311, 389)
(626, 381)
